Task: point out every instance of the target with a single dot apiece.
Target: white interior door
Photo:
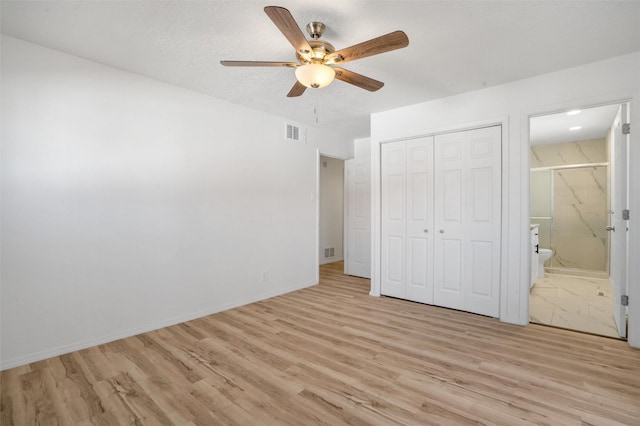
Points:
(482, 221)
(467, 220)
(393, 203)
(358, 223)
(407, 219)
(618, 227)
(419, 232)
(449, 262)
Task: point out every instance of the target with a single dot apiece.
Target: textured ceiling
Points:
(455, 46)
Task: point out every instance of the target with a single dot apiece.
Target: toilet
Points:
(543, 256)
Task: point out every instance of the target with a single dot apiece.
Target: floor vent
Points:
(329, 252)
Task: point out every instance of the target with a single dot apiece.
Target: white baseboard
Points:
(332, 260)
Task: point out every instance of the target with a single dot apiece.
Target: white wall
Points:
(129, 204)
(511, 104)
(331, 208)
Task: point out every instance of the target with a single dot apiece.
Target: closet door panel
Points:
(480, 275)
(395, 262)
(451, 272)
(483, 218)
(481, 195)
(467, 245)
(393, 219)
(441, 220)
(451, 198)
(416, 266)
(395, 201)
(419, 172)
(449, 247)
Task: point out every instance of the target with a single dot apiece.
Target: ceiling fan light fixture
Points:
(315, 56)
(315, 75)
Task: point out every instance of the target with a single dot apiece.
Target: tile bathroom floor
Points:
(576, 303)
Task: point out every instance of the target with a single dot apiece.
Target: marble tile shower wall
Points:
(577, 232)
(563, 154)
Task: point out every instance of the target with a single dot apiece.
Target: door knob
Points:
(426, 230)
(442, 231)
(610, 228)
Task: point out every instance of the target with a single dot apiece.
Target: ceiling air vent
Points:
(293, 133)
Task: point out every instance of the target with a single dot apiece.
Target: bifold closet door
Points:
(467, 220)
(407, 219)
(393, 233)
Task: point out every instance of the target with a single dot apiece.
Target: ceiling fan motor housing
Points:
(320, 49)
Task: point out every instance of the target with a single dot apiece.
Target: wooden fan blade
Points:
(375, 46)
(288, 26)
(358, 80)
(258, 64)
(297, 90)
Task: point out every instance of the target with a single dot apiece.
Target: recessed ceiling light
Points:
(574, 112)
(575, 128)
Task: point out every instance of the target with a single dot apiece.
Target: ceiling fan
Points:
(317, 58)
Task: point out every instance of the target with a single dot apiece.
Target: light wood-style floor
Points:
(332, 354)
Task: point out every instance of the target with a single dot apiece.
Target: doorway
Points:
(575, 181)
(331, 210)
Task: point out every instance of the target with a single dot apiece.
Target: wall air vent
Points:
(329, 252)
(293, 133)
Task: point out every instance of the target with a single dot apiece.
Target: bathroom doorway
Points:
(571, 210)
